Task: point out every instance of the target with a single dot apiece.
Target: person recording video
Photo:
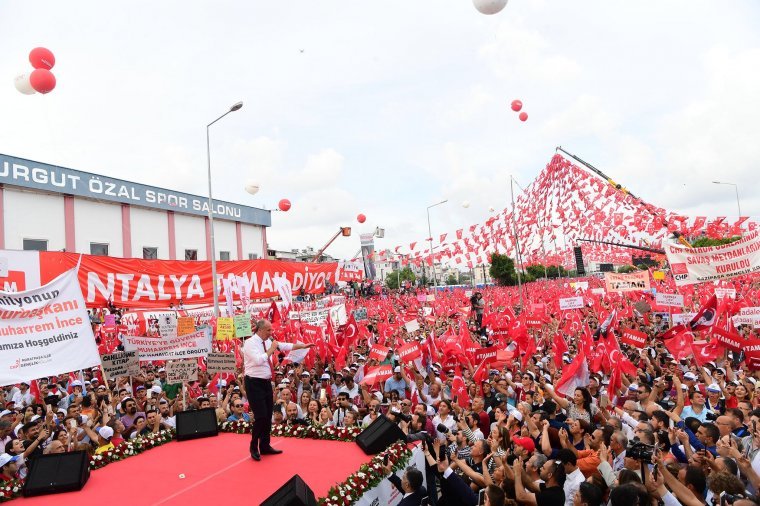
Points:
(477, 306)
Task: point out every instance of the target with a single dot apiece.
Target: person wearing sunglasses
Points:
(237, 410)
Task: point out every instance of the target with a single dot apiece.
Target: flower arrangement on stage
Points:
(368, 476)
(299, 431)
(11, 489)
(132, 447)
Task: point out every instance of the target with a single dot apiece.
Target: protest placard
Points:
(125, 363)
(179, 371)
(243, 325)
(225, 328)
(378, 352)
(571, 303)
(409, 352)
(220, 363)
(722, 293)
(634, 281)
(360, 314)
(669, 299)
(185, 325)
(197, 344)
(634, 338)
(167, 325)
(679, 318)
(412, 326)
(598, 291)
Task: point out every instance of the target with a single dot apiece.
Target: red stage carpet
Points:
(217, 470)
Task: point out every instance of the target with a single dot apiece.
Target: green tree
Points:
(708, 241)
(452, 280)
(536, 271)
(406, 274)
(556, 271)
(503, 270)
(625, 269)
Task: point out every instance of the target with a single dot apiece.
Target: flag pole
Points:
(517, 242)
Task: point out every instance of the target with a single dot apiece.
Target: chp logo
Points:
(679, 271)
(13, 281)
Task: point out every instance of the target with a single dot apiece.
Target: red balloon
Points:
(284, 205)
(516, 105)
(361, 218)
(523, 116)
(43, 81)
(41, 58)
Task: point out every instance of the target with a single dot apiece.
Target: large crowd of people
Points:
(666, 428)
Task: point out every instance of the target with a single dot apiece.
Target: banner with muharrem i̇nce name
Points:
(45, 331)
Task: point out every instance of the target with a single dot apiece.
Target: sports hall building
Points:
(49, 208)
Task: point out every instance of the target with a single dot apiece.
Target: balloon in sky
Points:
(466, 204)
(491, 209)
(42, 80)
(489, 6)
(252, 187)
(361, 218)
(284, 205)
(41, 58)
(23, 84)
(516, 105)
(523, 116)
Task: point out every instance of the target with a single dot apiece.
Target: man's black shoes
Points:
(271, 451)
(255, 455)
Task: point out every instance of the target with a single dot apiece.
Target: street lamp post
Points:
(736, 188)
(435, 281)
(235, 107)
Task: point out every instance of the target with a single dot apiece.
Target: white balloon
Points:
(252, 187)
(23, 84)
(489, 6)
(466, 204)
(491, 209)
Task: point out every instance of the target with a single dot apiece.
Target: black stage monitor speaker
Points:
(196, 423)
(379, 435)
(294, 493)
(579, 268)
(57, 472)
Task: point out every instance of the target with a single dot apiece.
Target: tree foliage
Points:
(503, 270)
(538, 271)
(625, 269)
(452, 280)
(708, 241)
(392, 280)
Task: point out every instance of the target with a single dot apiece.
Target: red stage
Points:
(216, 469)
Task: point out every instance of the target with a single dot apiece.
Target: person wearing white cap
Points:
(8, 467)
(22, 397)
(397, 382)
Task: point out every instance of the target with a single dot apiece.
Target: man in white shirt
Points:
(574, 476)
(23, 398)
(257, 353)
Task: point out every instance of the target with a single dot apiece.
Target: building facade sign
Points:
(41, 176)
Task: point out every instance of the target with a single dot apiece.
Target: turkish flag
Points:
(458, 389)
(706, 351)
(706, 316)
(680, 345)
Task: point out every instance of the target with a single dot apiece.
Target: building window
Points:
(191, 254)
(35, 245)
(253, 256)
(99, 249)
(224, 255)
(150, 253)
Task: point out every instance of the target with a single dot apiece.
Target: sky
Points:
(384, 108)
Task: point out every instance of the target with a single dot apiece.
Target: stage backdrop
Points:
(136, 283)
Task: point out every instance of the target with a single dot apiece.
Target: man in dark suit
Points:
(410, 484)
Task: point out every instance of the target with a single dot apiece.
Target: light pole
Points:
(235, 107)
(435, 281)
(736, 188)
